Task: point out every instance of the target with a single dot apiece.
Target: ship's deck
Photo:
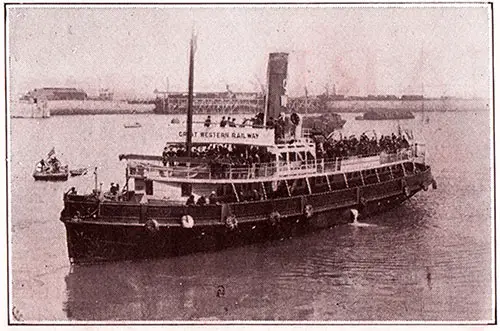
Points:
(222, 171)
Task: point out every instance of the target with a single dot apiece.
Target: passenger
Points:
(270, 123)
(256, 195)
(212, 198)
(232, 123)
(72, 191)
(43, 165)
(165, 156)
(113, 189)
(201, 201)
(55, 165)
(190, 201)
(208, 121)
(223, 122)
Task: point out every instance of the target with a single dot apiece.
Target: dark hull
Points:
(51, 177)
(116, 233)
(105, 242)
(386, 114)
(360, 118)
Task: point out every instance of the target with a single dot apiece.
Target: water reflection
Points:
(322, 275)
(186, 288)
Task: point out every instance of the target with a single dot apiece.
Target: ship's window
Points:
(282, 157)
(220, 190)
(302, 156)
(310, 156)
(149, 187)
(292, 156)
(139, 185)
(186, 189)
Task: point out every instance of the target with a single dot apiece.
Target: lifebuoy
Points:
(274, 218)
(308, 211)
(295, 119)
(187, 221)
(231, 222)
(152, 226)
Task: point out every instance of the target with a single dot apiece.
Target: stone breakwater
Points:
(429, 105)
(77, 107)
(89, 107)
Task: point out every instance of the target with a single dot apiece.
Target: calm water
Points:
(429, 259)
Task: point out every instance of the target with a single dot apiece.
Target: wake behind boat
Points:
(219, 185)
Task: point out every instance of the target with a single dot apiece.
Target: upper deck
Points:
(184, 170)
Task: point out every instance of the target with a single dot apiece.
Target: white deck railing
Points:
(155, 170)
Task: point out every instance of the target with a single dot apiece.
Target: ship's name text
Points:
(222, 135)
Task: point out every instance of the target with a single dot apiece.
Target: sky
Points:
(431, 50)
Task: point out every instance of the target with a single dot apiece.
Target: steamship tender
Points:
(296, 190)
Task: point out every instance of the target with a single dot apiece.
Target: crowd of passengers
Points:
(242, 156)
(234, 155)
(52, 165)
(256, 121)
(364, 146)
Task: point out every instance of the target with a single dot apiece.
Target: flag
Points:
(51, 152)
(409, 134)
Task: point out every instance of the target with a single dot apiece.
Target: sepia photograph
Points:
(233, 164)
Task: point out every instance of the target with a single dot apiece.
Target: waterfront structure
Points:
(55, 93)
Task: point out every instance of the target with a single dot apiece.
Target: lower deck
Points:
(288, 199)
(127, 230)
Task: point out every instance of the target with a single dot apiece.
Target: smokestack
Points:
(276, 84)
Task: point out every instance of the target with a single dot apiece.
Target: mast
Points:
(422, 104)
(305, 90)
(189, 121)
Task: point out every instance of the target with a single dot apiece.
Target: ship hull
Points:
(127, 236)
(51, 176)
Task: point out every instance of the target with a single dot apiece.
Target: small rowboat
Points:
(132, 125)
(78, 172)
(48, 175)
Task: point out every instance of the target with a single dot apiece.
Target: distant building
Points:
(55, 93)
(105, 94)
